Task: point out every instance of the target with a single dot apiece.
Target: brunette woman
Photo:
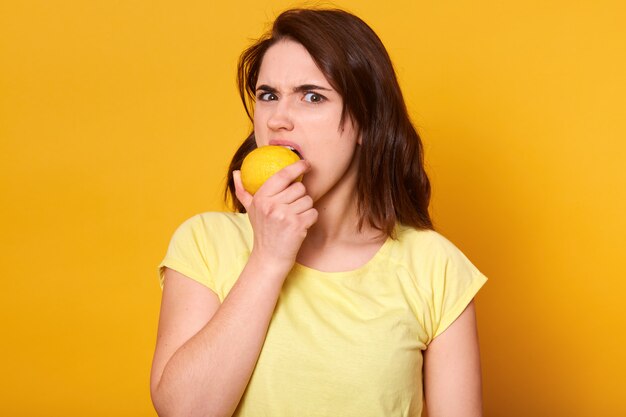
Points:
(333, 296)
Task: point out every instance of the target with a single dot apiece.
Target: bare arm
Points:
(206, 352)
(452, 378)
(208, 373)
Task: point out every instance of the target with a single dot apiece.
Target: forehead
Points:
(288, 63)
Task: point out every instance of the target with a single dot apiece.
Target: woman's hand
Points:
(280, 212)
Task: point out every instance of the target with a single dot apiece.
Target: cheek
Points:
(259, 132)
(333, 160)
(328, 122)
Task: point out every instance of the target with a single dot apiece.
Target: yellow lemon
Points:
(262, 163)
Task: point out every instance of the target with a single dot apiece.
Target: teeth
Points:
(292, 149)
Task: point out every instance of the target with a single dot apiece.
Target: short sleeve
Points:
(187, 253)
(454, 287)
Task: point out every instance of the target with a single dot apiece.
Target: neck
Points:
(335, 243)
(338, 218)
(335, 221)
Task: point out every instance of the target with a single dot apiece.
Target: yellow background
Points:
(118, 119)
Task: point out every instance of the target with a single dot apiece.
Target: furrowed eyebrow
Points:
(307, 87)
(298, 89)
(267, 88)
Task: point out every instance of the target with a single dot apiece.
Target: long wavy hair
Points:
(392, 185)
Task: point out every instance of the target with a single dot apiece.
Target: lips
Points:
(287, 144)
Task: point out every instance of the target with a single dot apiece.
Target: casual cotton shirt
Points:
(339, 343)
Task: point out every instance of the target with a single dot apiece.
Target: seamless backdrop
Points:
(118, 119)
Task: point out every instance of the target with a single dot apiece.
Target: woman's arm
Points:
(206, 352)
(452, 378)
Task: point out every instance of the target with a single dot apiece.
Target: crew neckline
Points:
(380, 253)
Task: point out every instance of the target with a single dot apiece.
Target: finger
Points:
(309, 217)
(281, 180)
(243, 196)
(302, 204)
(290, 194)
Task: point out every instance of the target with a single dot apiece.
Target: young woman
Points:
(332, 296)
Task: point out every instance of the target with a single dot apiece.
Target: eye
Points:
(312, 97)
(267, 96)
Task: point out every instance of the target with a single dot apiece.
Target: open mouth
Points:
(293, 150)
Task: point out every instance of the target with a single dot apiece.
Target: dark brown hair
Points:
(392, 185)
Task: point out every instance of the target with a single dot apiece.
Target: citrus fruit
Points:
(262, 163)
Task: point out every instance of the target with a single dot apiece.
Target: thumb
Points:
(243, 196)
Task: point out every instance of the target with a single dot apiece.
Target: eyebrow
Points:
(297, 89)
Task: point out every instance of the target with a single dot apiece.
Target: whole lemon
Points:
(262, 163)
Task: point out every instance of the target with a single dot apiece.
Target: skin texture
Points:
(452, 377)
(206, 350)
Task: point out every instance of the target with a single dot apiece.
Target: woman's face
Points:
(296, 106)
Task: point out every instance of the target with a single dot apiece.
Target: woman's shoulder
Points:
(425, 246)
(422, 238)
(217, 228)
(212, 221)
(208, 247)
(428, 253)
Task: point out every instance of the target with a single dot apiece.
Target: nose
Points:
(281, 117)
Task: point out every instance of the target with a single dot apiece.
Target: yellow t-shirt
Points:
(343, 344)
